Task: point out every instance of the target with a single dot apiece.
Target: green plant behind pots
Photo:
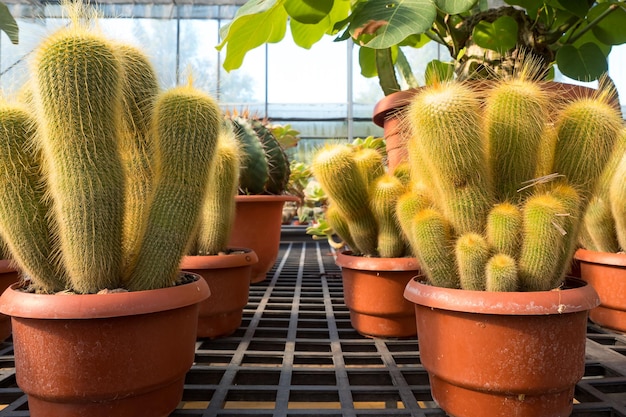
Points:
(604, 222)
(485, 221)
(482, 41)
(73, 165)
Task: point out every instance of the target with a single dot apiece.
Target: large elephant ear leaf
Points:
(500, 36)
(8, 24)
(455, 6)
(584, 63)
(390, 22)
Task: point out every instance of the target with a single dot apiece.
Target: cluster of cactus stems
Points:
(265, 168)
(499, 178)
(604, 222)
(102, 175)
(362, 199)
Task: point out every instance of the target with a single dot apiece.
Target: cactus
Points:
(510, 230)
(617, 195)
(350, 194)
(73, 167)
(218, 211)
(384, 193)
(265, 167)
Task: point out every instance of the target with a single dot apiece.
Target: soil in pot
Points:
(503, 354)
(373, 289)
(606, 272)
(228, 276)
(100, 355)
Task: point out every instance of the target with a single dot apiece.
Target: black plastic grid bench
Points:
(297, 355)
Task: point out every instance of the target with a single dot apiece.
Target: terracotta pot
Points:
(373, 290)
(228, 277)
(387, 114)
(503, 354)
(102, 355)
(606, 272)
(8, 276)
(257, 225)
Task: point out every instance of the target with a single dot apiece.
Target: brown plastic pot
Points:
(606, 273)
(501, 354)
(373, 289)
(8, 276)
(102, 355)
(258, 219)
(387, 114)
(228, 277)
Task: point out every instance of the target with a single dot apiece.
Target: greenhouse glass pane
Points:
(198, 54)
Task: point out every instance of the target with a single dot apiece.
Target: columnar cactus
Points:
(72, 167)
(488, 222)
(604, 222)
(362, 208)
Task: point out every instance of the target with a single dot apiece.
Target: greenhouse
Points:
(345, 208)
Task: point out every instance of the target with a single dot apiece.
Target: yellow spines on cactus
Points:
(514, 122)
(501, 273)
(587, 131)
(23, 211)
(432, 235)
(542, 242)
(617, 196)
(472, 253)
(78, 82)
(139, 90)
(407, 206)
(339, 225)
(341, 178)
(545, 157)
(402, 171)
(504, 226)
(218, 211)
(370, 162)
(570, 221)
(186, 127)
(444, 122)
(384, 193)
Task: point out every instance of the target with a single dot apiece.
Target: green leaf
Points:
(500, 36)
(249, 31)
(367, 62)
(455, 6)
(306, 35)
(589, 37)
(611, 29)
(437, 71)
(404, 69)
(308, 11)
(393, 20)
(8, 24)
(415, 41)
(585, 63)
(576, 7)
(526, 4)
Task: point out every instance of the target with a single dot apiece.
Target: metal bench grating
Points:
(296, 354)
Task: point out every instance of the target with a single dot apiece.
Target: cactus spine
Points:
(350, 194)
(23, 217)
(384, 194)
(618, 206)
(501, 273)
(80, 110)
(472, 253)
(504, 225)
(186, 126)
(218, 211)
(443, 122)
(513, 141)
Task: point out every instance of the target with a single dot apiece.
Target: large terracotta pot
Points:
(373, 289)
(387, 114)
(503, 354)
(102, 355)
(258, 219)
(8, 276)
(606, 272)
(228, 276)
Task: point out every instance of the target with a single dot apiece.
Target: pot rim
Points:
(95, 306)
(597, 257)
(390, 104)
(243, 257)
(265, 197)
(346, 259)
(578, 296)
